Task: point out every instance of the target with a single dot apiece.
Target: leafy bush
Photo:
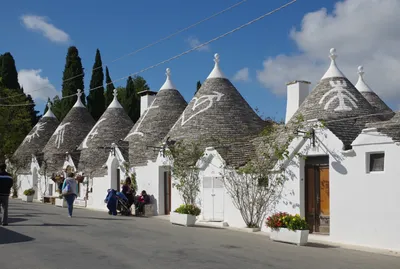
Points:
(29, 192)
(188, 209)
(285, 220)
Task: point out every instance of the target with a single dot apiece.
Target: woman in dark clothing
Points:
(144, 199)
(128, 191)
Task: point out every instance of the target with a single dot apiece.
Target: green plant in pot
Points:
(184, 157)
(28, 195)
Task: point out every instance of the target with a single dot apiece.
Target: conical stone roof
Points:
(68, 136)
(36, 140)
(372, 97)
(112, 127)
(218, 115)
(335, 99)
(155, 123)
(390, 127)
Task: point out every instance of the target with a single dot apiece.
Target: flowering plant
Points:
(285, 220)
(188, 209)
(79, 178)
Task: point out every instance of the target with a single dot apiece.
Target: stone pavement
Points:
(42, 236)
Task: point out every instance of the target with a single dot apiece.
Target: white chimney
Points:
(297, 91)
(147, 97)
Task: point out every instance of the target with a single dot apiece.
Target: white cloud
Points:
(38, 87)
(363, 33)
(242, 75)
(40, 24)
(194, 42)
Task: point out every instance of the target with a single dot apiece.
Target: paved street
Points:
(42, 236)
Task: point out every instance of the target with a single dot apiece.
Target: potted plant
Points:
(28, 195)
(185, 215)
(60, 201)
(288, 228)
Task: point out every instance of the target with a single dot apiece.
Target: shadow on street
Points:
(9, 237)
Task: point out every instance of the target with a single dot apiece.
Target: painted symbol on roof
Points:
(59, 133)
(38, 128)
(342, 94)
(141, 119)
(92, 133)
(201, 100)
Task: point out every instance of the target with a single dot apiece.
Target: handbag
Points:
(67, 189)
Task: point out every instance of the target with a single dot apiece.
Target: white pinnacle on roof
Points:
(168, 85)
(216, 72)
(49, 113)
(361, 86)
(333, 70)
(115, 103)
(78, 101)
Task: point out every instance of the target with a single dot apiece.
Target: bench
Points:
(148, 210)
(49, 199)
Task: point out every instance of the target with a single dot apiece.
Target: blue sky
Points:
(124, 26)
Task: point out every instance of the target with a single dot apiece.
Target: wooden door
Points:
(167, 192)
(317, 198)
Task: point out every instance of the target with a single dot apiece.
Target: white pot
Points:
(28, 199)
(61, 202)
(251, 230)
(182, 219)
(298, 237)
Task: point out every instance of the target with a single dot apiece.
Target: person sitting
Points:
(128, 191)
(143, 200)
(111, 201)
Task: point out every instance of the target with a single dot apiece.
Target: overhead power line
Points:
(147, 46)
(185, 52)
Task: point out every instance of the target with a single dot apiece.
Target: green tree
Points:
(72, 81)
(96, 98)
(140, 84)
(15, 122)
(198, 86)
(131, 102)
(109, 89)
(9, 72)
(32, 111)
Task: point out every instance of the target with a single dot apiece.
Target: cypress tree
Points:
(96, 99)
(72, 81)
(109, 89)
(131, 100)
(9, 72)
(140, 84)
(198, 86)
(32, 111)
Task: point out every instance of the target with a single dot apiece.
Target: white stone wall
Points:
(366, 205)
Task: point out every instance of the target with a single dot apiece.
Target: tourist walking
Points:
(6, 183)
(69, 192)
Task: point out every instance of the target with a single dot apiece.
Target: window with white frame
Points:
(376, 162)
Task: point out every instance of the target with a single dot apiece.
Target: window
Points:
(376, 162)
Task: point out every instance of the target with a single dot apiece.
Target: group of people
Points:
(130, 194)
(69, 191)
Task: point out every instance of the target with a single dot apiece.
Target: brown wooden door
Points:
(317, 198)
(167, 192)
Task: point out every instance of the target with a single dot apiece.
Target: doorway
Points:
(167, 192)
(317, 194)
(35, 183)
(213, 199)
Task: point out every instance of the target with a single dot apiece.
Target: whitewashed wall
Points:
(366, 206)
(100, 185)
(293, 192)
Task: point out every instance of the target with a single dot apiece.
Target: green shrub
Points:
(188, 209)
(29, 192)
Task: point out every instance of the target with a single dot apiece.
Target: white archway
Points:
(114, 172)
(35, 182)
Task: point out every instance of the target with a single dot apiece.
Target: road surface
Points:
(42, 236)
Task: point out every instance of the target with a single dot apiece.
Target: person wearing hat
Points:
(6, 183)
